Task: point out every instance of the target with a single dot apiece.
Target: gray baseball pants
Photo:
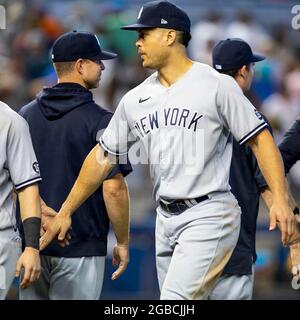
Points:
(10, 251)
(233, 287)
(67, 279)
(192, 248)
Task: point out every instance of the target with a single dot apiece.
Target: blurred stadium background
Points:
(25, 67)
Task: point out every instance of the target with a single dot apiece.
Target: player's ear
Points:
(243, 71)
(79, 66)
(171, 37)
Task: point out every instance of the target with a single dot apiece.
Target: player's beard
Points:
(92, 84)
(148, 63)
(144, 61)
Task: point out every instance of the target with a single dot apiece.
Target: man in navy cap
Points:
(289, 147)
(235, 58)
(184, 115)
(64, 123)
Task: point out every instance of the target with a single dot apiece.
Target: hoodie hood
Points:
(57, 101)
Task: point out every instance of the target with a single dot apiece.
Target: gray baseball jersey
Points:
(185, 129)
(18, 164)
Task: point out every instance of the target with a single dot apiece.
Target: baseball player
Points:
(235, 58)
(19, 172)
(290, 152)
(184, 115)
(64, 122)
(289, 146)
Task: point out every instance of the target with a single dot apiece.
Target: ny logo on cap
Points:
(140, 13)
(163, 21)
(218, 67)
(97, 41)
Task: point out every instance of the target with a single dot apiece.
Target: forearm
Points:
(93, 171)
(43, 203)
(266, 194)
(30, 209)
(29, 200)
(292, 201)
(270, 163)
(116, 200)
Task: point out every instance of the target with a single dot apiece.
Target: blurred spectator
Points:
(281, 110)
(268, 73)
(49, 25)
(127, 71)
(292, 80)
(79, 18)
(33, 25)
(204, 35)
(32, 45)
(246, 28)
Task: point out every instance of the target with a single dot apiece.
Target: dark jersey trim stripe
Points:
(117, 153)
(253, 133)
(27, 182)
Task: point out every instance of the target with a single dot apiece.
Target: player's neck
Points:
(242, 84)
(71, 79)
(175, 68)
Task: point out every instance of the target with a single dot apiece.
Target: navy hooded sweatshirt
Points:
(64, 122)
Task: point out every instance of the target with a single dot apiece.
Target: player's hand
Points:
(48, 215)
(295, 254)
(282, 214)
(47, 211)
(59, 226)
(295, 238)
(30, 262)
(121, 259)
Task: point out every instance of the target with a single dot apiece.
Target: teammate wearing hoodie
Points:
(64, 123)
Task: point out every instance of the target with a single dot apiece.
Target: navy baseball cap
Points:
(232, 54)
(161, 14)
(75, 45)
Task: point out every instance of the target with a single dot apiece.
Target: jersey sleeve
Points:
(238, 114)
(117, 138)
(125, 168)
(21, 160)
(290, 146)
